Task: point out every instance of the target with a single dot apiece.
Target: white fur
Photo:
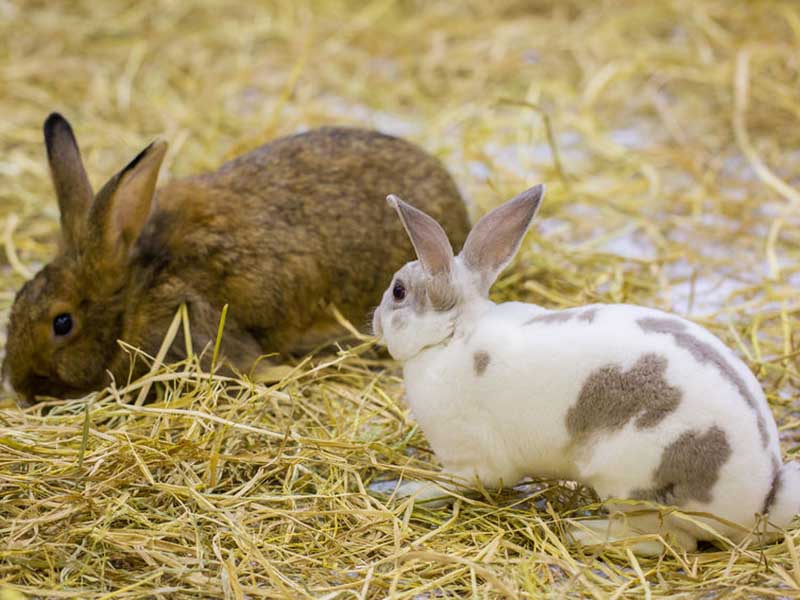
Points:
(510, 421)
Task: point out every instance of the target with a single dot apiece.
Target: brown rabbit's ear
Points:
(429, 239)
(122, 207)
(73, 190)
(495, 239)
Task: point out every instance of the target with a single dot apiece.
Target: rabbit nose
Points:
(24, 398)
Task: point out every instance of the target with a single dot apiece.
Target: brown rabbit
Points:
(279, 234)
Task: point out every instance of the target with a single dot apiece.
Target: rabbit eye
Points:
(62, 324)
(399, 291)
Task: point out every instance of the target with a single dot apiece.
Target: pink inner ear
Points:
(132, 200)
(131, 209)
(495, 239)
(427, 236)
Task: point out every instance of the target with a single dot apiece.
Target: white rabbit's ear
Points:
(123, 206)
(73, 190)
(495, 239)
(429, 239)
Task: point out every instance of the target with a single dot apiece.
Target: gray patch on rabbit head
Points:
(588, 315)
(774, 488)
(437, 292)
(689, 468)
(705, 353)
(442, 294)
(557, 316)
(611, 397)
(480, 360)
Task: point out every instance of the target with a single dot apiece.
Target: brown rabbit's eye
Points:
(399, 290)
(62, 324)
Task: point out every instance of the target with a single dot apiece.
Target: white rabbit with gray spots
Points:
(636, 403)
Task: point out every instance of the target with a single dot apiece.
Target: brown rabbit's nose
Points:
(5, 379)
(30, 386)
(25, 395)
(35, 385)
(26, 401)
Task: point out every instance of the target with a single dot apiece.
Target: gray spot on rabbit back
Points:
(480, 360)
(564, 316)
(558, 316)
(689, 468)
(774, 488)
(705, 353)
(611, 397)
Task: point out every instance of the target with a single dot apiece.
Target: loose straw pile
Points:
(668, 136)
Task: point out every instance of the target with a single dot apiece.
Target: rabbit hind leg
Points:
(646, 534)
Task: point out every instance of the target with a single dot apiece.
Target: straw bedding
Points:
(667, 133)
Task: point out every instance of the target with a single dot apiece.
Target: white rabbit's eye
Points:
(399, 290)
(62, 324)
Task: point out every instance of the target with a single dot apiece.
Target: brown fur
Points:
(279, 234)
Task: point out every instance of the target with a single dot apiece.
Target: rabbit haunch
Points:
(701, 351)
(634, 402)
(706, 353)
(279, 234)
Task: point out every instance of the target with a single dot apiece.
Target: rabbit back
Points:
(286, 230)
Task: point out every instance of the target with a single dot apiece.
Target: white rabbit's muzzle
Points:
(377, 329)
